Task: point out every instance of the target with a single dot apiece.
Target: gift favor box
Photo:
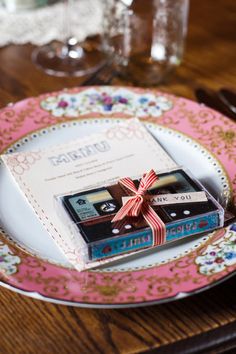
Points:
(182, 204)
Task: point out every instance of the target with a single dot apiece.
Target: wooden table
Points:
(203, 323)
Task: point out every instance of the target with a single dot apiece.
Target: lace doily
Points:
(42, 25)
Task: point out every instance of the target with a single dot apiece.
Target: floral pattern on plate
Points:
(219, 255)
(106, 101)
(8, 260)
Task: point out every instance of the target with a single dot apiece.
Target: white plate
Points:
(19, 221)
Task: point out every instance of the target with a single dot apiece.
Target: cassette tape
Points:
(92, 211)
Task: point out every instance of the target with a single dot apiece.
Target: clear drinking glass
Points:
(148, 37)
(71, 57)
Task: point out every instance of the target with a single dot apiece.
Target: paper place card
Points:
(125, 149)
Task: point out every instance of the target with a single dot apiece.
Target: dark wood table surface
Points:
(202, 323)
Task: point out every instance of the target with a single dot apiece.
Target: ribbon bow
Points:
(139, 204)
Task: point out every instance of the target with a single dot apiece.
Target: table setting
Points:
(111, 91)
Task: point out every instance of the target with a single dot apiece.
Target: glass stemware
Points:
(148, 37)
(71, 57)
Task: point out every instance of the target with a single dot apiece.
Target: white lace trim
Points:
(42, 25)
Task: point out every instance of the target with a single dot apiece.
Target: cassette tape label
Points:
(84, 206)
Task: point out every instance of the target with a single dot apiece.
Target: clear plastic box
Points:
(88, 214)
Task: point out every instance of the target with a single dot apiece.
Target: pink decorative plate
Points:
(196, 136)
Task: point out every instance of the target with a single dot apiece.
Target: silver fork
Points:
(223, 100)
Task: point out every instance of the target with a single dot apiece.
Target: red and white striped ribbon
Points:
(137, 205)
